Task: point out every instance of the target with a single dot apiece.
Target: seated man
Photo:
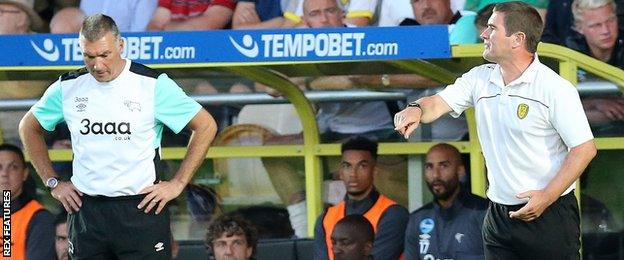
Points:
(62, 236)
(190, 15)
(599, 36)
(450, 226)
(352, 238)
(358, 13)
(254, 14)
(19, 17)
(461, 24)
(231, 237)
(32, 227)
(389, 219)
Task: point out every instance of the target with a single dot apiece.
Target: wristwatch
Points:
(52, 182)
(414, 104)
(385, 80)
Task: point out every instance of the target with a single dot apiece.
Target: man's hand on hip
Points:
(68, 195)
(159, 194)
(538, 202)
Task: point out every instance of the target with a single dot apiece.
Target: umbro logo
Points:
(81, 107)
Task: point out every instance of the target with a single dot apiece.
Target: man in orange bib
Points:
(389, 219)
(32, 227)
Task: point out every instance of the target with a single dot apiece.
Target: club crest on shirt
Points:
(523, 111)
(426, 226)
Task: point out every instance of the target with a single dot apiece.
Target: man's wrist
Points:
(414, 104)
(52, 182)
(385, 80)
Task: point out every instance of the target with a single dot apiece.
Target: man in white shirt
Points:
(116, 110)
(534, 134)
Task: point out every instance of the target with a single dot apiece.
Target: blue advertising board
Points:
(241, 46)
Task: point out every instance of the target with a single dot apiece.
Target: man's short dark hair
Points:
(61, 218)
(96, 26)
(359, 227)
(14, 149)
(521, 17)
(230, 226)
(360, 143)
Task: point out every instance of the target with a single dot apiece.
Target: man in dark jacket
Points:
(450, 226)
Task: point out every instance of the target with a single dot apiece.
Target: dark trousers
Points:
(114, 228)
(554, 235)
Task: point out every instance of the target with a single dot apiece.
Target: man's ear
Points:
(120, 44)
(519, 38)
(461, 172)
(578, 27)
(25, 173)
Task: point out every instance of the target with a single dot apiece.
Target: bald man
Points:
(67, 20)
(450, 226)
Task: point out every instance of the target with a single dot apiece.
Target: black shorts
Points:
(114, 228)
(554, 235)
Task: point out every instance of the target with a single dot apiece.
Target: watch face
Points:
(51, 183)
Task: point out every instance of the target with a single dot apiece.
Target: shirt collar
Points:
(526, 77)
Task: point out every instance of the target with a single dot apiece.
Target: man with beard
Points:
(388, 219)
(450, 226)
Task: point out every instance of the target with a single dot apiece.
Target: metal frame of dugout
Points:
(276, 74)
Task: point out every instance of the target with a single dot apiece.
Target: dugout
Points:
(42, 57)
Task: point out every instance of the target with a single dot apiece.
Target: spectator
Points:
(130, 15)
(32, 227)
(357, 13)
(338, 121)
(352, 238)
(231, 237)
(599, 36)
(19, 17)
(560, 24)
(62, 236)
(67, 20)
(189, 15)
(359, 157)
(461, 24)
(256, 14)
(393, 12)
(450, 226)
